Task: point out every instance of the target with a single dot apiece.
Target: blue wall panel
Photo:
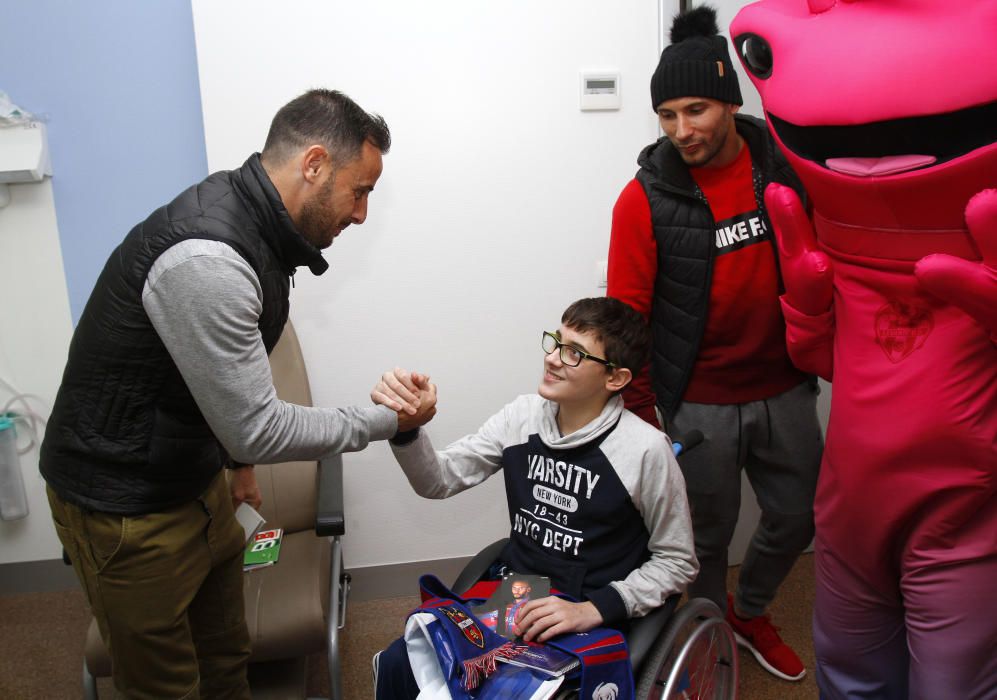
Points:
(116, 81)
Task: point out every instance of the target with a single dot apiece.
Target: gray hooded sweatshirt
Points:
(602, 511)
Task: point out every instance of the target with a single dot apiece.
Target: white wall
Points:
(35, 329)
(491, 215)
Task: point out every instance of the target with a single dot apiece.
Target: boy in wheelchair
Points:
(595, 496)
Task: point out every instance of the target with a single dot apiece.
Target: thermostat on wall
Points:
(600, 91)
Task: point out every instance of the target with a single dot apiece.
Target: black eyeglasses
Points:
(570, 355)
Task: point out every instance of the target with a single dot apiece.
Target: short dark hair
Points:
(622, 331)
(326, 117)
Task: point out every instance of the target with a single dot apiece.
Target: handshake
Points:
(410, 394)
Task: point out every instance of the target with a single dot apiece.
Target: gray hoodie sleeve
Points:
(204, 301)
(652, 475)
(461, 465)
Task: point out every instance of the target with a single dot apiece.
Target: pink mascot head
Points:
(886, 108)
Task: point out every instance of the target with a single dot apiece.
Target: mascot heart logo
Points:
(902, 328)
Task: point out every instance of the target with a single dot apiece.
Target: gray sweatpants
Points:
(779, 444)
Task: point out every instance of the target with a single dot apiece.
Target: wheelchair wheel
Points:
(696, 657)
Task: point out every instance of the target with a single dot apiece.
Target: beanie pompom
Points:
(702, 21)
(697, 63)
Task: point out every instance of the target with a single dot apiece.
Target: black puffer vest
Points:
(125, 435)
(685, 230)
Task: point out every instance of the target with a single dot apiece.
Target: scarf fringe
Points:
(476, 670)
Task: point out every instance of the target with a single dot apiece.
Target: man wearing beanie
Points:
(693, 250)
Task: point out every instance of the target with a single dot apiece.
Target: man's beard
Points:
(707, 151)
(318, 222)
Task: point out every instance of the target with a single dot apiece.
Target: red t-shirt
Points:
(742, 355)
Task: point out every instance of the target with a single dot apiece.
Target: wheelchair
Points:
(688, 655)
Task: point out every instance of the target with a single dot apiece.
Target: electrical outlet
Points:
(601, 273)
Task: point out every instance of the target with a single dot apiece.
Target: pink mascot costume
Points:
(887, 110)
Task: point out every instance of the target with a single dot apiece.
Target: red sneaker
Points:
(759, 636)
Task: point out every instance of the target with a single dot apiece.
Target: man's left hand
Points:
(244, 488)
(542, 619)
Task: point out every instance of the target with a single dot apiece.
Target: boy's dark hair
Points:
(326, 117)
(621, 329)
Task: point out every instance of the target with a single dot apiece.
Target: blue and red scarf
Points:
(468, 653)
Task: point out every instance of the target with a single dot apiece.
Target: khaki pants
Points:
(166, 591)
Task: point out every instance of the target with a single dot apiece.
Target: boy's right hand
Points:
(410, 394)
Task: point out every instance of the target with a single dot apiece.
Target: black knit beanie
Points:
(697, 63)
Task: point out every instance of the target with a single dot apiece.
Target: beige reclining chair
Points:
(291, 609)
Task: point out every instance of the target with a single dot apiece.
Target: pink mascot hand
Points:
(970, 285)
(806, 271)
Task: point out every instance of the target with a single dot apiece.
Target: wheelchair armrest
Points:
(644, 631)
(477, 567)
(329, 516)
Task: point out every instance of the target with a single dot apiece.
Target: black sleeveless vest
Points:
(125, 435)
(684, 230)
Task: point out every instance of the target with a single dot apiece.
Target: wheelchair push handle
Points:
(683, 443)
